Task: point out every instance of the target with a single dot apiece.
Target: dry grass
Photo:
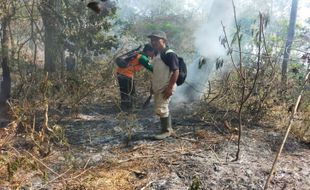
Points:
(137, 167)
(133, 168)
(278, 117)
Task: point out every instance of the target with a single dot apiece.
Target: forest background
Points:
(255, 71)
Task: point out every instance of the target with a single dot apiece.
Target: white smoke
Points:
(208, 45)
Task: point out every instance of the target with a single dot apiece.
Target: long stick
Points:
(287, 131)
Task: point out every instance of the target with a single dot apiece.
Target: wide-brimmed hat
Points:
(158, 34)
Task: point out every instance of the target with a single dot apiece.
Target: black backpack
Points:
(182, 67)
(123, 61)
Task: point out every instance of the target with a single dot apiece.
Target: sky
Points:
(303, 7)
(304, 10)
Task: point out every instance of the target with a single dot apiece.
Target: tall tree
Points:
(8, 12)
(53, 49)
(288, 44)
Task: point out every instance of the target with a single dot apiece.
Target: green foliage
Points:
(175, 19)
(173, 25)
(86, 31)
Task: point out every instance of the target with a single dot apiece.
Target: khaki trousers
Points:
(161, 104)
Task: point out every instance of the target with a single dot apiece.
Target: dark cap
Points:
(148, 47)
(158, 34)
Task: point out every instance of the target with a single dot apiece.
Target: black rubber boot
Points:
(166, 128)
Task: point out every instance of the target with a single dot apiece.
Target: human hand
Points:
(167, 92)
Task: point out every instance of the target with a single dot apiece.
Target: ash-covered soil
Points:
(115, 150)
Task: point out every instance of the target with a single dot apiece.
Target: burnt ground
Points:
(114, 150)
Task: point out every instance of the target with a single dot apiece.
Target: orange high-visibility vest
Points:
(133, 67)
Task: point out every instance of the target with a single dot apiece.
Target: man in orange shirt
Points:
(125, 76)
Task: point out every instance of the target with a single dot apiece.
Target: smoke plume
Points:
(209, 49)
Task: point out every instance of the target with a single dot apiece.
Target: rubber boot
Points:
(166, 128)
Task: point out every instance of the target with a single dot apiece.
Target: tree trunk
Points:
(288, 45)
(6, 80)
(53, 50)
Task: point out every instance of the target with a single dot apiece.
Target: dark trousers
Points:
(127, 92)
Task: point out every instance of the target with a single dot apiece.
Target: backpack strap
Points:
(163, 55)
(169, 51)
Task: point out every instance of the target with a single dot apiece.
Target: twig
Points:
(5, 140)
(149, 183)
(56, 178)
(16, 151)
(130, 159)
(216, 126)
(42, 163)
(186, 139)
(287, 132)
(185, 134)
(139, 147)
(218, 159)
(72, 178)
(86, 164)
